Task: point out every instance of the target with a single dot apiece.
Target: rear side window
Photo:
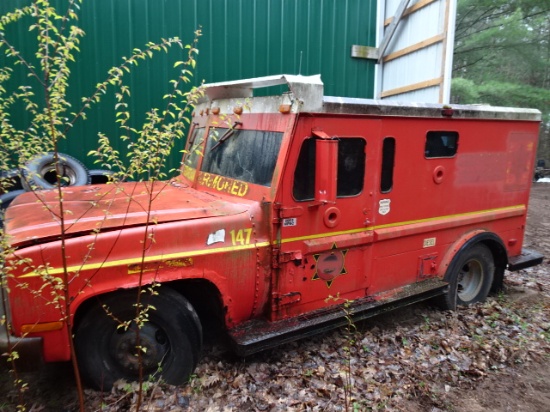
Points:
(351, 169)
(388, 160)
(441, 144)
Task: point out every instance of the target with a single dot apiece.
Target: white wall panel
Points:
(416, 65)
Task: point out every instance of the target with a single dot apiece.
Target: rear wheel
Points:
(171, 339)
(470, 277)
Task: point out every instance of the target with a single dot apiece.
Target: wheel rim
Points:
(123, 348)
(470, 280)
(68, 175)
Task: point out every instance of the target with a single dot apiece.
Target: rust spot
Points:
(154, 266)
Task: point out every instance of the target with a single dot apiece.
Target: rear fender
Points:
(489, 239)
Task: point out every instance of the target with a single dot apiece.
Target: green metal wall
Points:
(241, 39)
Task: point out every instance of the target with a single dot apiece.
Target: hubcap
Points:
(153, 341)
(470, 281)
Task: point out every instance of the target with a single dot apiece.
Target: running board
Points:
(259, 334)
(526, 259)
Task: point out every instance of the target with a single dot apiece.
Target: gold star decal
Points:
(329, 265)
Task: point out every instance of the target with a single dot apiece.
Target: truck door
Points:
(324, 211)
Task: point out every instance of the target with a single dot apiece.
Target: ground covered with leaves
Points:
(489, 357)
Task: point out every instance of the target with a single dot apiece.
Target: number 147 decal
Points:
(241, 236)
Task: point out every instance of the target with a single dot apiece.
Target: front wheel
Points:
(170, 339)
(470, 277)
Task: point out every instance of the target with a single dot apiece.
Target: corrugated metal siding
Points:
(241, 39)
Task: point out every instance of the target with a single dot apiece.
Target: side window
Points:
(304, 175)
(441, 144)
(351, 169)
(388, 160)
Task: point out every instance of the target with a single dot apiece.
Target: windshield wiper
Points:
(227, 134)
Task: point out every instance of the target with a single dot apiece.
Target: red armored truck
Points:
(282, 202)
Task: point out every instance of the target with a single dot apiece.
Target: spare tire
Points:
(100, 176)
(40, 173)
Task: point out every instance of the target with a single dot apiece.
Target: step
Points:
(260, 334)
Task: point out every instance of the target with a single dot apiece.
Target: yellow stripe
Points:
(409, 222)
(430, 219)
(326, 234)
(148, 259)
(203, 252)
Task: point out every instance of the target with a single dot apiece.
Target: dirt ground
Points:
(492, 357)
(527, 388)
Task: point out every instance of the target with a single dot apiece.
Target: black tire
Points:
(40, 172)
(100, 176)
(172, 335)
(470, 277)
(5, 201)
(7, 198)
(14, 176)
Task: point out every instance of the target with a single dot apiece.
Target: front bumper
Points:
(526, 259)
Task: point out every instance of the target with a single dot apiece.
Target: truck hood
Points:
(35, 216)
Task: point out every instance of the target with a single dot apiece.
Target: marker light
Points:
(41, 327)
(447, 111)
(284, 108)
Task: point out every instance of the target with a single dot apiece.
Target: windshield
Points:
(246, 155)
(195, 146)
